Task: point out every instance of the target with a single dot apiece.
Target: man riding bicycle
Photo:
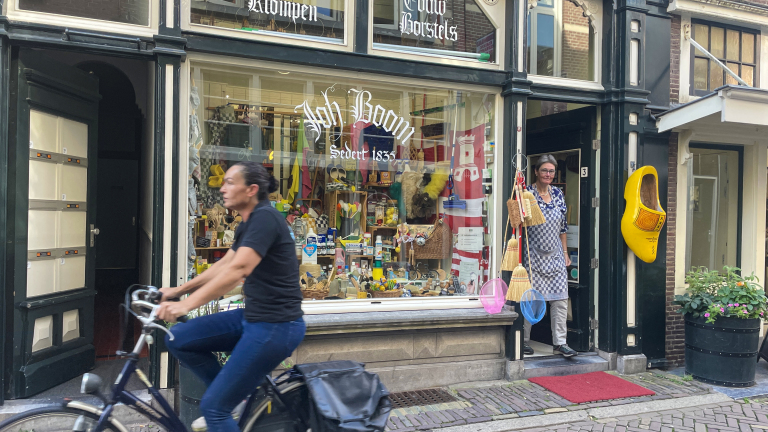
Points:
(268, 329)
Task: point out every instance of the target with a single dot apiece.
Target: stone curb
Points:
(589, 414)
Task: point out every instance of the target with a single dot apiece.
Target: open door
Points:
(568, 137)
(53, 122)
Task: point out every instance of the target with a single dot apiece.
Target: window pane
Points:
(700, 73)
(575, 58)
(384, 12)
(528, 45)
(732, 51)
(715, 75)
(546, 3)
(718, 42)
(436, 28)
(545, 41)
(701, 35)
(713, 209)
(729, 79)
(748, 75)
(747, 48)
(129, 12)
(314, 133)
(312, 18)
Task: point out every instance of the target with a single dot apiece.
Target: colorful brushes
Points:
(518, 284)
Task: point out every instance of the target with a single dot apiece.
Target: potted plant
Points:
(723, 312)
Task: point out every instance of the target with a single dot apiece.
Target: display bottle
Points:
(378, 272)
(311, 237)
(378, 249)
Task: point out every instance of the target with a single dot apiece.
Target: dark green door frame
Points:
(5, 312)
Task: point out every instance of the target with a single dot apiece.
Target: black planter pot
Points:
(191, 390)
(723, 353)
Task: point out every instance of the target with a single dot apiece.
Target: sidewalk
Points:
(479, 403)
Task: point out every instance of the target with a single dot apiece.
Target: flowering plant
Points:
(712, 295)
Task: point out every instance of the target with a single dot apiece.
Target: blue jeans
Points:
(257, 348)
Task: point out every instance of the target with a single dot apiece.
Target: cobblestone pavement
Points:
(523, 398)
(735, 416)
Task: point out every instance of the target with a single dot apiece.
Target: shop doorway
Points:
(77, 139)
(566, 131)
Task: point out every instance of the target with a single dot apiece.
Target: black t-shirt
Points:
(272, 292)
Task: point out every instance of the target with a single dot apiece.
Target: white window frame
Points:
(345, 44)
(556, 11)
(595, 28)
(494, 13)
(343, 306)
(15, 13)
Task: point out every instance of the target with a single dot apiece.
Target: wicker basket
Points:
(386, 294)
(315, 294)
(417, 293)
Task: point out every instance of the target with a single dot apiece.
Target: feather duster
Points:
(436, 185)
(411, 184)
(422, 206)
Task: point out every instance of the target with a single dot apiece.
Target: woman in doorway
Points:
(548, 258)
(262, 334)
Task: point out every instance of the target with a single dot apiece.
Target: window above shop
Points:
(315, 20)
(136, 12)
(737, 48)
(441, 28)
(562, 40)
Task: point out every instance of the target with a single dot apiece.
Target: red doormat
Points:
(591, 387)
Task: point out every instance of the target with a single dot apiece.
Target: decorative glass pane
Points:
(701, 35)
(747, 48)
(717, 47)
(435, 27)
(700, 73)
(125, 11)
(320, 19)
(732, 40)
(728, 78)
(546, 3)
(715, 76)
(545, 45)
(748, 75)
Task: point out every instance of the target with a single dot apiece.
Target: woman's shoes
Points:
(565, 350)
(527, 350)
(643, 216)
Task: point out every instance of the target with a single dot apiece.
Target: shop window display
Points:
(127, 11)
(386, 188)
(311, 19)
(435, 27)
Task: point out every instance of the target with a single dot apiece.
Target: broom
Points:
(536, 216)
(519, 282)
(511, 254)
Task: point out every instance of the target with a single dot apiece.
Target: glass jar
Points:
(381, 212)
(392, 213)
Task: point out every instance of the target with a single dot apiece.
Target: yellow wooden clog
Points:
(215, 180)
(643, 217)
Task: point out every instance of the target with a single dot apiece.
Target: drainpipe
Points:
(712, 57)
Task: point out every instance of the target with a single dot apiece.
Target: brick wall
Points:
(575, 43)
(675, 331)
(124, 11)
(674, 68)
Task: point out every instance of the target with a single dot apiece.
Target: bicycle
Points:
(278, 405)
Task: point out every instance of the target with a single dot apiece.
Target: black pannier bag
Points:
(345, 398)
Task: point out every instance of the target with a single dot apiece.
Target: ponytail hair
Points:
(255, 174)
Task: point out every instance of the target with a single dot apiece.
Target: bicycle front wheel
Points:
(53, 419)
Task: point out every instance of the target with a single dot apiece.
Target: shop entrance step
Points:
(555, 366)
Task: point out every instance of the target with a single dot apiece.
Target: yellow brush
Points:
(518, 284)
(536, 216)
(511, 255)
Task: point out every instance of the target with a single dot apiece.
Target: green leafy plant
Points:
(712, 294)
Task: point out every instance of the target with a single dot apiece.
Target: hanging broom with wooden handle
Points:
(519, 283)
(512, 252)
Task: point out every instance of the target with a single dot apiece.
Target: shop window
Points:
(321, 20)
(364, 163)
(123, 11)
(714, 207)
(455, 28)
(561, 41)
(736, 48)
